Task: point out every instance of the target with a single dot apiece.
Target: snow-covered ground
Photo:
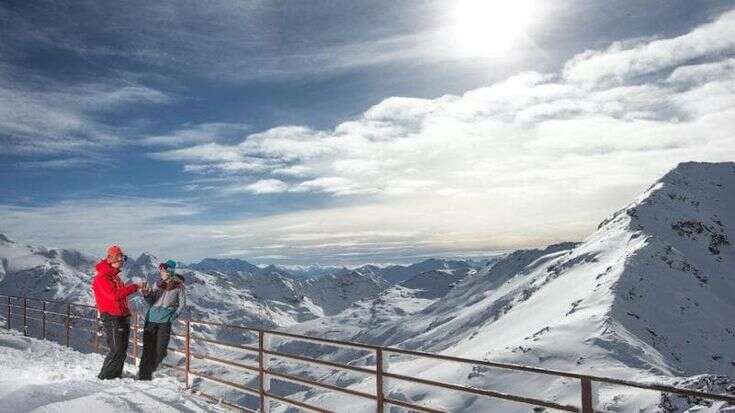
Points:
(39, 376)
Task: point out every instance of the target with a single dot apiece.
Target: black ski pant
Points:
(155, 344)
(117, 332)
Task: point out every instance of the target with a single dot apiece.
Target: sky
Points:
(345, 132)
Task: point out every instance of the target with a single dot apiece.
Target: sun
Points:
(489, 27)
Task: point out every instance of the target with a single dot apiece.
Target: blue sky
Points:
(346, 131)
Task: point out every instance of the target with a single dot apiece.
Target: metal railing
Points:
(265, 374)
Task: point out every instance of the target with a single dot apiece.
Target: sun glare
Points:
(489, 27)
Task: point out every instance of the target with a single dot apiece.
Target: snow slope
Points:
(650, 295)
(40, 272)
(39, 376)
(367, 320)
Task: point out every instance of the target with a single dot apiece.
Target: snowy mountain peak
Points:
(648, 296)
(225, 265)
(147, 260)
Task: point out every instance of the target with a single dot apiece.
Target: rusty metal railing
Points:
(265, 374)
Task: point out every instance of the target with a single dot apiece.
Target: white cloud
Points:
(212, 152)
(621, 61)
(44, 117)
(198, 134)
(92, 224)
(334, 185)
(703, 73)
(499, 166)
(64, 163)
(263, 186)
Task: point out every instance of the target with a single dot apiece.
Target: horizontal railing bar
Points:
(322, 340)
(73, 327)
(14, 306)
(15, 297)
(55, 322)
(600, 379)
(175, 350)
(224, 343)
(411, 406)
(297, 403)
(224, 402)
(308, 382)
(482, 362)
(38, 310)
(317, 361)
(171, 366)
(79, 317)
(213, 323)
(223, 382)
(225, 362)
(667, 389)
(55, 313)
(489, 393)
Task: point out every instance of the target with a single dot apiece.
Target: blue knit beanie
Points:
(169, 266)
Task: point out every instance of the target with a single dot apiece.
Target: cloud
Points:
(526, 132)
(47, 117)
(263, 186)
(495, 167)
(92, 224)
(224, 41)
(703, 73)
(207, 152)
(198, 134)
(334, 185)
(63, 163)
(622, 61)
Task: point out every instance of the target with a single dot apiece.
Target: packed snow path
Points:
(40, 376)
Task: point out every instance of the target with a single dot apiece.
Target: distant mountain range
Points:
(230, 290)
(391, 273)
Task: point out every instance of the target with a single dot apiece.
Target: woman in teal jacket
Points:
(167, 300)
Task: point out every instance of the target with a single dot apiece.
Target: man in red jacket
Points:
(111, 297)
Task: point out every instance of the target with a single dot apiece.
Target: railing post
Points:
(379, 379)
(68, 322)
(187, 351)
(135, 338)
(587, 395)
(43, 321)
(97, 332)
(25, 316)
(264, 403)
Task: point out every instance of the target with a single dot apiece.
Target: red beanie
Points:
(114, 250)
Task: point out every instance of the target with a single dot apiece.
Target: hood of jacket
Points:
(105, 269)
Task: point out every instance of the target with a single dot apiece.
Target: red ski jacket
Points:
(110, 293)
